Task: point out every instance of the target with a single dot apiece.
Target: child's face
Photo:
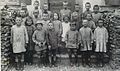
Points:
(55, 16)
(22, 13)
(66, 19)
(100, 23)
(73, 26)
(29, 22)
(45, 16)
(39, 26)
(64, 6)
(50, 26)
(88, 17)
(36, 4)
(77, 7)
(45, 7)
(87, 6)
(36, 13)
(18, 21)
(96, 9)
(85, 22)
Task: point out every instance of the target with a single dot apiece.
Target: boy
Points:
(87, 6)
(35, 6)
(45, 20)
(52, 41)
(39, 38)
(101, 39)
(72, 43)
(65, 11)
(45, 10)
(19, 39)
(35, 16)
(96, 14)
(86, 40)
(91, 23)
(23, 15)
(75, 17)
(24, 7)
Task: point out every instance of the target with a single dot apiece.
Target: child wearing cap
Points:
(39, 38)
(71, 40)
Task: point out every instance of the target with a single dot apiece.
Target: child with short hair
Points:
(91, 23)
(101, 39)
(23, 15)
(96, 14)
(52, 42)
(19, 39)
(36, 16)
(87, 6)
(30, 47)
(86, 40)
(72, 43)
(65, 11)
(39, 38)
(45, 20)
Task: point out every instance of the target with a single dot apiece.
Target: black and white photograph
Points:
(60, 35)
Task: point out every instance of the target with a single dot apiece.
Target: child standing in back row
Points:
(52, 42)
(86, 40)
(101, 39)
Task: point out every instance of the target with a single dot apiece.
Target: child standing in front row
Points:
(39, 38)
(86, 40)
(30, 47)
(52, 42)
(101, 39)
(72, 43)
(19, 39)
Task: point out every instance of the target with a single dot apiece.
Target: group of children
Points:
(42, 37)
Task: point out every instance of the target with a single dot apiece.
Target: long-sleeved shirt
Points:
(66, 27)
(58, 26)
(101, 37)
(52, 38)
(96, 16)
(30, 30)
(19, 37)
(65, 12)
(72, 39)
(86, 36)
(91, 25)
(39, 36)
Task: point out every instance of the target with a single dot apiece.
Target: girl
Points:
(30, 47)
(101, 39)
(66, 27)
(39, 38)
(57, 23)
(19, 39)
(86, 40)
(52, 41)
